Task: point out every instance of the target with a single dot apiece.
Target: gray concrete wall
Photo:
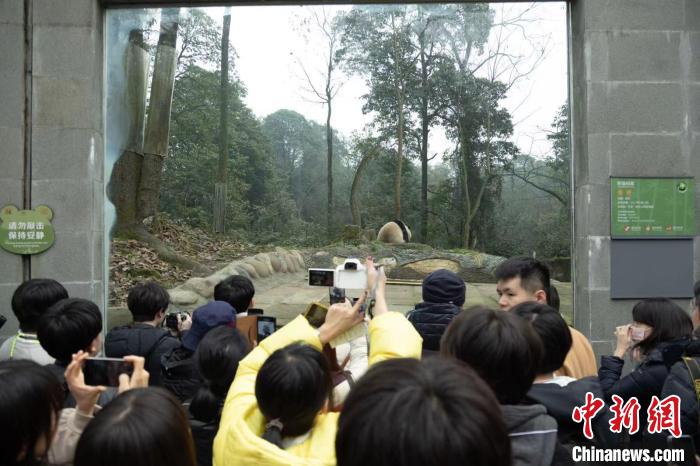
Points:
(65, 127)
(635, 84)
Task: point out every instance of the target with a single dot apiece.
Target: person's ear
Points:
(252, 303)
(95, 346)
(541, 296)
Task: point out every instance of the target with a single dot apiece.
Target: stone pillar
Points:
(635, 92)
(65, 128)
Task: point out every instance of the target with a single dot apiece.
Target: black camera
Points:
(173, 320)
(337, 295)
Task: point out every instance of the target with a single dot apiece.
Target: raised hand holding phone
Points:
(340, 318)
(139, 378)
(86, 396)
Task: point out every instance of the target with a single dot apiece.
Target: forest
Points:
(194, 152)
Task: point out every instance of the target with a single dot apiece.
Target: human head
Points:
(236, 290)
(292, 387)
(501, 347)
(521, 279)
(205, 318)
(32, 298)
(405, 412)
(444, 286)
(217, 358)
(69, 326)
(552, 330)
(147, 302)
(141, 427)
(695, 315)
(667, 320)
(30, 400)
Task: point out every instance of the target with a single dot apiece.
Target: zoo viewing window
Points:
(262, 140)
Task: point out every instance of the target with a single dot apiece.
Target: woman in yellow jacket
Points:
(240, 437)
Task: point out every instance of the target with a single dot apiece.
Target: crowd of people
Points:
(438, 385)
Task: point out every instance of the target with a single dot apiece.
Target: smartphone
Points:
(321, 277)
(255, 312)
(105, 371)
(316, 314)
(266, 327)
(685, 443)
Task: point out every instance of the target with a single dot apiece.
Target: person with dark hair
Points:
(29, 302)
(443, 297)
(505, 351)
(274, 413)
(142, 427)
(238, 291)
(30, 401)
(525, 279)
(217, 358)
(560, 394)
(179, 370)
(683, 375)
(453, 416)
(657, 338)
(145, 337)
(66, 328)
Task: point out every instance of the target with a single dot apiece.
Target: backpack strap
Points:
(694, 369)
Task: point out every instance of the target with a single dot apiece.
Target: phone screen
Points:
(321, 277)
(105, 371)
(685, 443)
(316, 315)
(266, 327)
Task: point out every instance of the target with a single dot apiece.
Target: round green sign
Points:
(26, 231)
(682, 186)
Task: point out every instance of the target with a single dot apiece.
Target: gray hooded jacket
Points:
(533, 434)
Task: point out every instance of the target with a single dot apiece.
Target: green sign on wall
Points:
(26, 231)
(652, 207)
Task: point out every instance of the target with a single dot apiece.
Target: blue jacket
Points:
(430, 321)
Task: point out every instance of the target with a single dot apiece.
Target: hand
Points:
(186, 324)
(340, 318)
(138, 379)
(624, 338)
(375, 275)
(86, 396)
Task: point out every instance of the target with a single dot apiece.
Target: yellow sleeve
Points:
(391, 335)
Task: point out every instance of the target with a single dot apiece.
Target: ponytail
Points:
(206, 405)
(273, 432)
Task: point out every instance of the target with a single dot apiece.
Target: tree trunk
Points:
(329, 143)
(158, 123)
(124, 183)
(222, 175)
(399, 162)
(424, 150)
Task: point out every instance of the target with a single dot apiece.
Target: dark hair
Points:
(236, 290)
(552, 330)
(69, 326)
(217, 358)
(146, 300)
(405, 412)
(668, 320)
(32, 298)
(141, 427)
(292, 386)
(503, 349)
(553, 298)
(534, 275)
(30, 400)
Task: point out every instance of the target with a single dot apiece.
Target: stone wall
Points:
(64, 137)
(635, 86)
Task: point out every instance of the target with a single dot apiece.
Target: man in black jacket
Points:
(145, 337)
(443, 297)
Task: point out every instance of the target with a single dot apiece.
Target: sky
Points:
(270, 46)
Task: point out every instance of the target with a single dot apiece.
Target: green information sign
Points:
(26, 231)
(652, 207)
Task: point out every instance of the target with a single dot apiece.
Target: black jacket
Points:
(644, 382)
(431, 320)
(203, 434)
(679, 382)
(144, 340)
(179, 373)
(560, 403)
